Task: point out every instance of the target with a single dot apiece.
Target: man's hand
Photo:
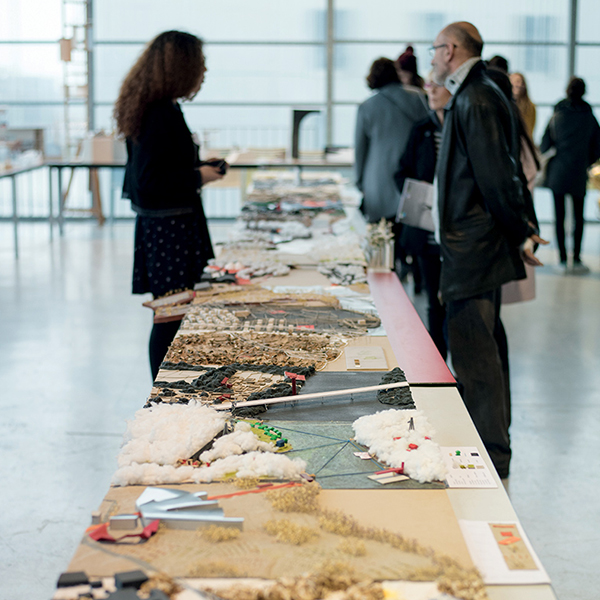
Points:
(527, 254)
(209, 173)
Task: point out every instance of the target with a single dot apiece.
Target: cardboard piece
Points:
(339, 364)
(510, 563)
(365, 357)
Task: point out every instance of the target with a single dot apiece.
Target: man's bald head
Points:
(465, 35)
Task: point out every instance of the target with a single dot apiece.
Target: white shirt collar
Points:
(454, 80)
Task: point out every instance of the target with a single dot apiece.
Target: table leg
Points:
(61, 216)
(15, 216)
(96, 197)
(112, 199)
(243, 185)
(50, 204)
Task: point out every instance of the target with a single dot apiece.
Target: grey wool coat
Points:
(383, 126)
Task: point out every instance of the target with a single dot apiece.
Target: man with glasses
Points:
(483, 229)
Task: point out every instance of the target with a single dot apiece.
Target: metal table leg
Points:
(61, 202)
(50, 204)
(15, 216)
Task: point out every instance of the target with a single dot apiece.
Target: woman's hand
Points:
(210, 173)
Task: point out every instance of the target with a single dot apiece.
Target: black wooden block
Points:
(72, 578)
(130, 579)
(125, 594)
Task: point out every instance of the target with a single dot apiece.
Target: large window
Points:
(266, 57)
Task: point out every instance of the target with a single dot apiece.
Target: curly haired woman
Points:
(163, 175)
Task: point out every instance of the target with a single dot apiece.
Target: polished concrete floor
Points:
(74, 367)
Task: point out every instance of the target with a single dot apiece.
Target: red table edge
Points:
(413, 347)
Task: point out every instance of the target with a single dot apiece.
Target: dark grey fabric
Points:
(559, 211)
(418, 162)
(161, 336)
(575, 133)
(170, 253)
(480, 359)
(482, 208)
(162, 163)
(383, 126)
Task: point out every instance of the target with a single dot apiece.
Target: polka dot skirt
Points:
(170, 253)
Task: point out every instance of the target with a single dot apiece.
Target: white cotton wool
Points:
(238, 442)
(253, 464)
(164, 433)
(388, 436)
(151, 474)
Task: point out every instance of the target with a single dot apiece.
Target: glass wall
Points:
(266, 57)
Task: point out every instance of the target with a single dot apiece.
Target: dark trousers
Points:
(160, 339)
(431, 266)
(402, 265)
(479, 349)
(559, 210)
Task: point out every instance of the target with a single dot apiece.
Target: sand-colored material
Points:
(425, 515)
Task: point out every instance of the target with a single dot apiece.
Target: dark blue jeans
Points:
(479, 349)
(431, 267)
(559, 208)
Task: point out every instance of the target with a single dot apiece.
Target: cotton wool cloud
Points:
(240, 441)
(253, 464)
(164, 433)
(159, 436)
(388, 436)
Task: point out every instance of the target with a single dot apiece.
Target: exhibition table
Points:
(55, 184)
(434, 394)
(414, 349)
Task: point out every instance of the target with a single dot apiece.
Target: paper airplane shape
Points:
(183, 510)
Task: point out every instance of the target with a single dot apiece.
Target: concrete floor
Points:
(73, 367)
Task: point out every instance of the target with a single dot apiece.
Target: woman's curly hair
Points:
(169, 67)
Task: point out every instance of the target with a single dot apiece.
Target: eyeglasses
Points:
(433, 49)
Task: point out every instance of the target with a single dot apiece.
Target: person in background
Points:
(419, 162)
(529, 161)
(383, 125)
(525, 105)
(483, 229)
(574, 132)
(406, 65)
(163, 174)
(498, 62)
(523, 289)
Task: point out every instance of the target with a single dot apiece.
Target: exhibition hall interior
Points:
(236, 349)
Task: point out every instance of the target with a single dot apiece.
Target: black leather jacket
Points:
(482, 210)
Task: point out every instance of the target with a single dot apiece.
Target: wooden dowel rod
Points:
(374, 388)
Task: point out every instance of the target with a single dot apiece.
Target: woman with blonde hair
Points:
(524, 104)
(163, 175)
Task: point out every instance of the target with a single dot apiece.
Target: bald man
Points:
(482, 227)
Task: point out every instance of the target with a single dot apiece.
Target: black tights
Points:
(160, 339)
(559, 208)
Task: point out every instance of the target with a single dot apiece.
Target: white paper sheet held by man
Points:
(416, 204)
